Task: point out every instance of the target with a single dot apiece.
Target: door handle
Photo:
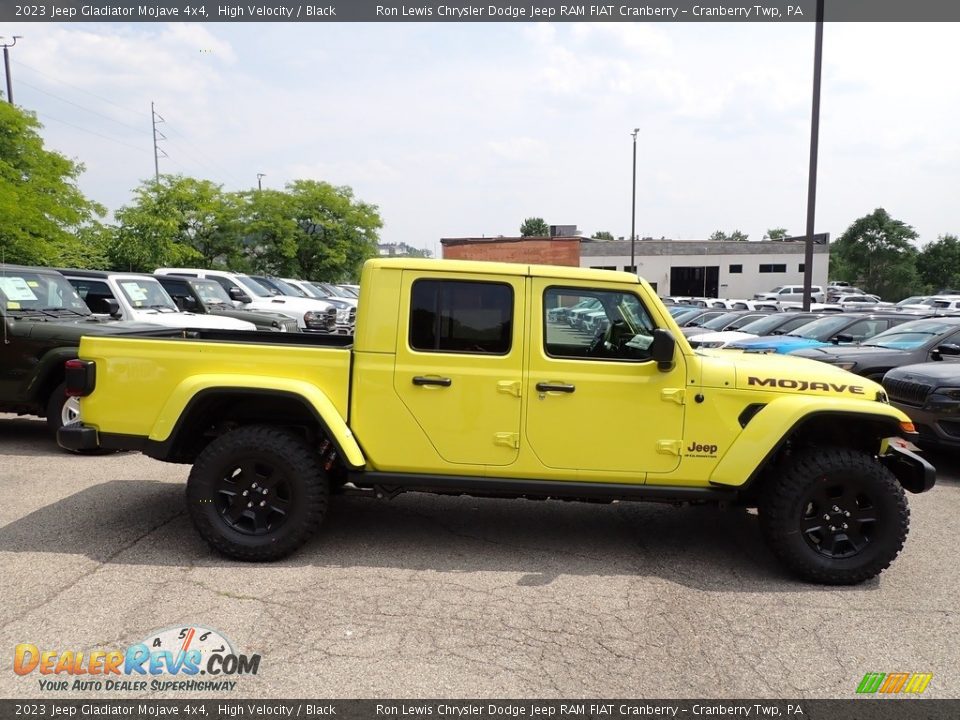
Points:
(555, 387)
(441, 381)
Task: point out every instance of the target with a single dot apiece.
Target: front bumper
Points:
(914, 473)
(935, 429)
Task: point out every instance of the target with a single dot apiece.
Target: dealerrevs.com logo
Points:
(188, 659)
(894, 683)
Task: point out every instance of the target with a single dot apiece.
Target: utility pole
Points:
(155, 117)
(260, 176)
(814, 142)
(633, 207)
(6, 65)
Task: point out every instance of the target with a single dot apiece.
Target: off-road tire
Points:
(287, 456)
(788, 510)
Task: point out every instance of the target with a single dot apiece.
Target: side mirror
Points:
(842, 338)
(190, 303)
(662, 348)
(112, 307)
(239, 295)
(946, 349)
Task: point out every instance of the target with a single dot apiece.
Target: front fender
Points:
(185, 393)
(769, 428)
(49, 373)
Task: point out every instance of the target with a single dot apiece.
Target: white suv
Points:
(311, 315)
(792, 293)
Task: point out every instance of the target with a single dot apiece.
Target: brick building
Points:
(541, 250)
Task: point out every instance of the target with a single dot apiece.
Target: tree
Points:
(778, 233)
(938, 264)
(44, 218)
(718, 236)
(175, 220)
(875, 252)
(534, 227)
(313, 230)
(738, 236)
(603, 235)
(419, 252)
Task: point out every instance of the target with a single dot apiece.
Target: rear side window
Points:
(461, 317)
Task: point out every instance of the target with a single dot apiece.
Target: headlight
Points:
(950, 392)
(846, 364)
(314, 321)
(343, 314)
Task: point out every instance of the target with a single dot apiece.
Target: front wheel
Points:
(834, 516)
(257, 493)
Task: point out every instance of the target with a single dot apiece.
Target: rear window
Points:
(461, 317)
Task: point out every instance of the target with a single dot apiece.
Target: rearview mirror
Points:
(662, 348)
(113, 307)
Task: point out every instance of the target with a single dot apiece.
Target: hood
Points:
(947, 371)
(780, 343)
(190, 320)
(833, 353)
(788, 374)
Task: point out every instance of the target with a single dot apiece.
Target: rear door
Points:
(459, 364)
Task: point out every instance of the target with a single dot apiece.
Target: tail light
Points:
(81, 377)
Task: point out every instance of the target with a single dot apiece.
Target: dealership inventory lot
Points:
(460, 597)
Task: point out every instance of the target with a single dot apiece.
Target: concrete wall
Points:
(656, 258)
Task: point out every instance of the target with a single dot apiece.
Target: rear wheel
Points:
(835, 516)
(257, 493)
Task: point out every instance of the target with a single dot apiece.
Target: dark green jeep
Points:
(43, 321)
(207, 297)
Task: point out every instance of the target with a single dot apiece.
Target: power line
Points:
(91, 132)
(82, 107)
(76, 87)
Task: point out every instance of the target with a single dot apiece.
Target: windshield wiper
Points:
(65, 309)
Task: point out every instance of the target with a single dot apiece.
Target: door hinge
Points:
(510, 440)
(510, 387)
(668, 447)
(673, 395)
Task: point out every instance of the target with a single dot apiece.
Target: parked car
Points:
(774, 324)
(345, 303)
(792, 293)
(835, 292)
(859, 303)
(733, 304)
(911, 342)
(936, 304)
(561, 313)
(134, 296)
(346, 310)
(728, 321)
(44, 319)
(930, 394)
(836, 329)
(207, 297)
(311, 315)
(700, 315)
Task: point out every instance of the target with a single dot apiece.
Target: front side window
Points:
(456, 316)
(596, 325)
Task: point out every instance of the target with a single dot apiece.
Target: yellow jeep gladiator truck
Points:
(477, 378)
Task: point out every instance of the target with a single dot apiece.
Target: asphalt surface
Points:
(457, 597)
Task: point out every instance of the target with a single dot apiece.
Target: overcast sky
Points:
(465, 130)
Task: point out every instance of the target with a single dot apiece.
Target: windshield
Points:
(23, 290)
(253, 287)
(911, 335)
(145, 293)
(284, 288)
(211, 292)
(720, 322)
(350, 292)
(820, 329)
(307, 290)
(320, 290)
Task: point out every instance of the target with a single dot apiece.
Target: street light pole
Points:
(6, 66)
(633, 207)
(259, 180)
(814, 143)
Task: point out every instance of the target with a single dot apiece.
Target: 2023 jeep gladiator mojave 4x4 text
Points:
(460, 380)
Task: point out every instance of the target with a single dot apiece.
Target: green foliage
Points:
(876, 254)
(603, 235)
(718, 236)
(778, 233)
(534, 227)
(419, 252)
(44, 218)
(938, 264)
(739, 236)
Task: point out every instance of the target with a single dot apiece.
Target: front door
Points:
(596, 401)
(459, 367)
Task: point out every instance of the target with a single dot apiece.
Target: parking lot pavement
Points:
(457, 597)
